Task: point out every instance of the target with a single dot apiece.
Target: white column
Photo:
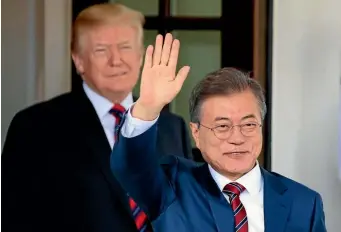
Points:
(57, 69)
(305, 112)
(35, 56)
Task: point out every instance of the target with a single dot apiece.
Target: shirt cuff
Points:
(133, 127)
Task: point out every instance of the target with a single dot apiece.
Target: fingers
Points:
(174, 54)
(148, 60)
(181, 77)
(166, 49)
(157, 50)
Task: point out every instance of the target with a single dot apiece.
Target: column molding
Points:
(55, 78)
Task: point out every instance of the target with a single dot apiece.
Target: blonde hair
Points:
(105, 14)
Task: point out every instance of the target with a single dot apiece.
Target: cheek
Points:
(257, 145)
(96, 65)
(135, 66)
(210, 145)
(133, 59)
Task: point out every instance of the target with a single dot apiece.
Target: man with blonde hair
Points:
(55, 162)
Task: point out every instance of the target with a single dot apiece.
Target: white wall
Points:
(35, 57)
(306, 80)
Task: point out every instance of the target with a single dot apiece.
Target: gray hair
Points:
(225, 81)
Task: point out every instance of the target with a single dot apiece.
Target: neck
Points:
(116, 97)
(233, 176)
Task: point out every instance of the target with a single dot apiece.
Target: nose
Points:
(236, 137)
(115, 58)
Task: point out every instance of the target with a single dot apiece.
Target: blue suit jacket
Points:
(180, 195)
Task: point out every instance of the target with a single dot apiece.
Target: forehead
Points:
(234, 107)
(112, 34)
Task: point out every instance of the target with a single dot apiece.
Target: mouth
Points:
(236, 153)
(118, 74)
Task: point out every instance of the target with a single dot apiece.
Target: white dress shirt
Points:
(102, 107)
(252, 197)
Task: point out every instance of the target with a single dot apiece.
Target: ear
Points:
(195, 133)
(78, 61)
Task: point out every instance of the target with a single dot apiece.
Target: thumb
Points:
(181, 77)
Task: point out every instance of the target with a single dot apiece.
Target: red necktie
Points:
(139, 216)
(117, 111)
(233, 190)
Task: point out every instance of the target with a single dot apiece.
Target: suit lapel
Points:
(220, 208)
(94, 137)
(276, 203)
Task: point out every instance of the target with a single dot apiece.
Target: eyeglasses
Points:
(223, 132)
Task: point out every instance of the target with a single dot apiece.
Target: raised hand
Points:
(159, 81)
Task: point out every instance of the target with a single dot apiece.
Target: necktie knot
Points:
(117, 109)
(234, 188)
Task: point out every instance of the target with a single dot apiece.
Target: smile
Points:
(118, 74)
(236, 153)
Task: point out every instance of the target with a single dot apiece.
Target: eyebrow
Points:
(228, 119)
(124, 42)
(102, 45)
(222, 118)
(108, 45)
(248, 116)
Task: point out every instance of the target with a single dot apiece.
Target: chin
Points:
(120, 86)
(238, 166)
(239, 170)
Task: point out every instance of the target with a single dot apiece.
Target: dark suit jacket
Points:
(55, 168)
(180, 196)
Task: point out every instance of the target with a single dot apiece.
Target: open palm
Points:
(159, 81)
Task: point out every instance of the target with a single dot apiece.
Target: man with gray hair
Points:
(229, 193)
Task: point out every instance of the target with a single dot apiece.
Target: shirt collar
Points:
(101, 104)
(252, 181)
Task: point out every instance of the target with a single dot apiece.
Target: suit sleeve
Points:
(134, 163)
(186, 142)
(318, 223)
(21, 209)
